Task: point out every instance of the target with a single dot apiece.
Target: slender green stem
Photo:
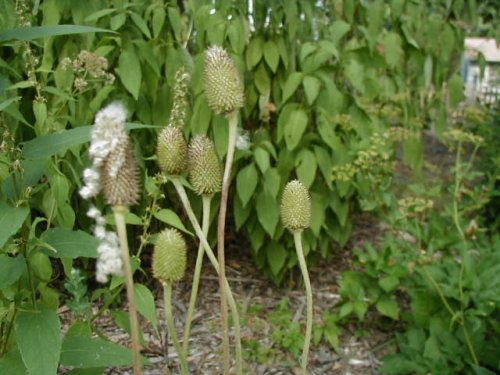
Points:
(120, 212)
(169, 318)
(197, 272)
(211, 256)
(458, 177)
(233, 132)
(297, 236)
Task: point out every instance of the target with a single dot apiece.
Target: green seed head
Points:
(296, 206)
(172, 151)
(205, 169)
(223, 86)
(169, 257)
(121, 176)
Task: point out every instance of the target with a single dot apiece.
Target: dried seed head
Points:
(172, 151)
(296, 206)
(121, 176)
(205, 168)
(169, 257)
(223, 86)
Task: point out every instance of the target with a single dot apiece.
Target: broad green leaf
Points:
(291, 85)
(83, 352)
(262, 80)
(388, 307)
(240, 213)
(70, 244)
(306, 166)
(276, 257)
(141, 24)
(8, 102)
(11, 220)
(271, 55)
(311, 87)
(171, 218)
(392, 48)
(176, 22)
(36, 32)
(11, 269)
(39, 341)
(267, 212)
(262, 159)
(52, 144)
(294, 128)
(146, 304)
(354, 72)
(318, 205)
(254, 53)
(456, 90)
(272, 181)
(99, 14)
(129, 70)
(246, 182)
(158, 20)
(389, 283)
(337, 31)
(11, 363)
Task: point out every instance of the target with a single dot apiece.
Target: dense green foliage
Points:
(332, 88)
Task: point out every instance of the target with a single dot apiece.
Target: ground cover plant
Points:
(343, 96)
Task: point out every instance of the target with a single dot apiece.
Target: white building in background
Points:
(487, 89)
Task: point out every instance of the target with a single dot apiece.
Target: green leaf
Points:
(39, 341)
(246, 182)
(82, 352)
(254, 52)
(70, 244)
(311, 87)
(392, 49)
(388, 307)
(262, 80)
(8, 102)
(271, 55)
(291, 85)
(176, 22)
(389, 283)
(11, 269)
(294, 128)
(51, 144)
(354, 72)
(11, 363)
(129, 70)
(262, 159)
(276, 256)
(99, 14)
(337, 31)
(158, 20)
(141, 24)
(306, 166)
(171, 218)
(456, 90)
(11, 220)
(146, 304)
(272, 181)
(267, 212)
(36, 32)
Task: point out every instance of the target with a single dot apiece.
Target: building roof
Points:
(488, 47)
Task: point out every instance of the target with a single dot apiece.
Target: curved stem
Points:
(197, 272)
(233, 130)
(297, 236)
(211, 256)
(120, 212)
(169, 318)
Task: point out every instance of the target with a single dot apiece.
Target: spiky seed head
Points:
(296, 206)
(223, 85)
(172, 151)
(121, 175)
(205, 168)
(169, 257)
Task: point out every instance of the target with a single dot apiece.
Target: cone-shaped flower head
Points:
(169, 257)
(296, 206)
(113, 163)
(205, 168)
(172, 151)
(223, 85)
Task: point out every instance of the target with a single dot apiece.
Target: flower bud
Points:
(172, 151)
(205, 168)
(296, 206)
(120, 175)
(223, 86)
(169, 257)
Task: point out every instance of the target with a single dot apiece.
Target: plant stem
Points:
(297, 236)
(232, 119)
(120, 212)
(197, 272)
(169, 318)
(211, 256)
(456, 191)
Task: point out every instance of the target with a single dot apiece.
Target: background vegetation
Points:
(336, 93)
